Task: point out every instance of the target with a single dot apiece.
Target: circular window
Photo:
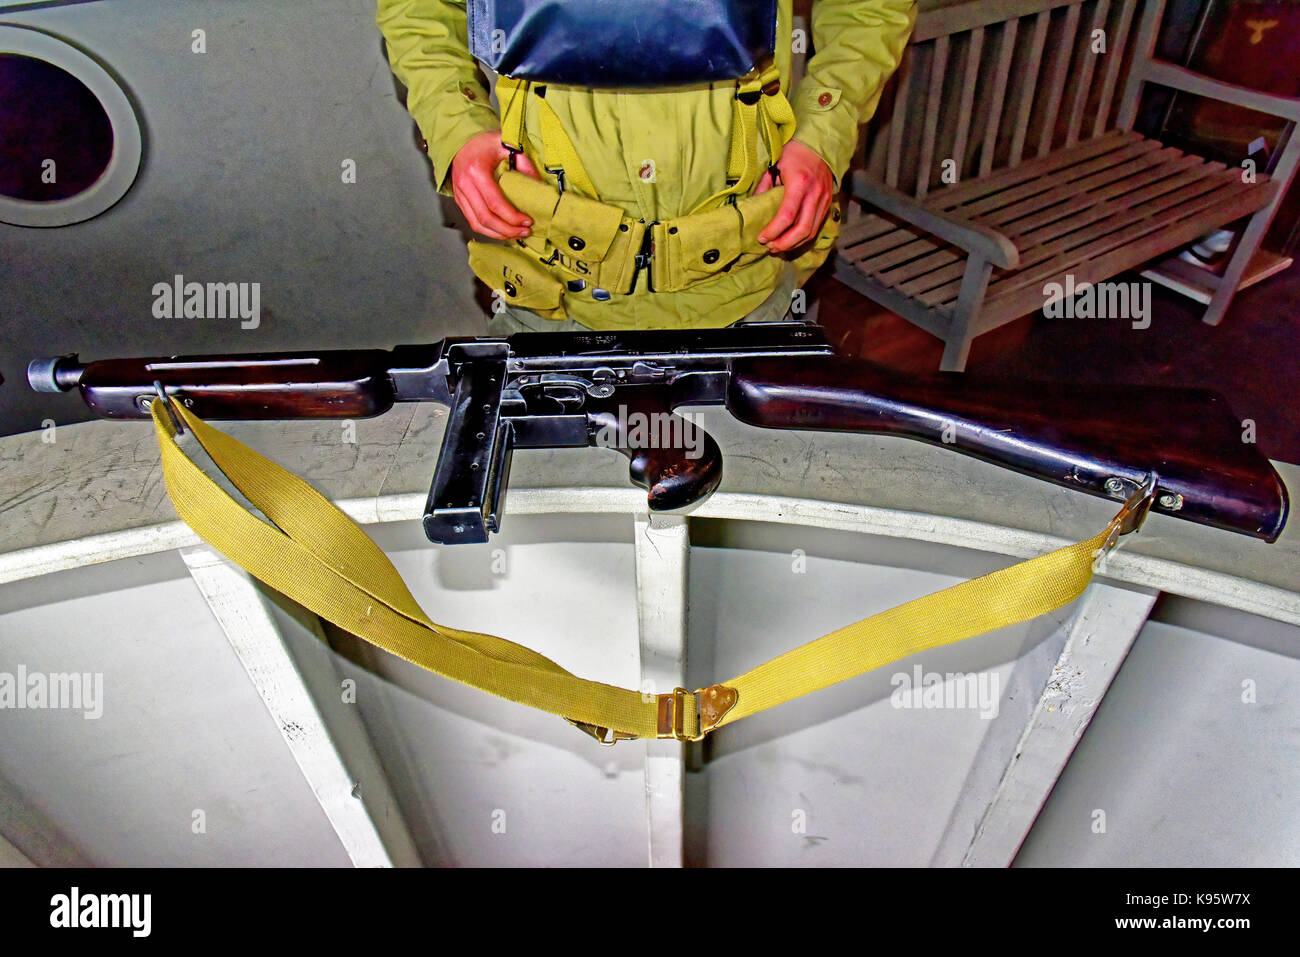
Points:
(69, 138)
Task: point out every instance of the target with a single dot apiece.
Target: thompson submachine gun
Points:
(620, 390)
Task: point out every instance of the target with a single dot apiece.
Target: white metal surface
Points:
(346, 789)
(662, 555)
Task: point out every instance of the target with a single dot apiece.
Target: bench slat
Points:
(1077, 238)
(1114, 58)
(1029, 193)
(974, 50)
(932, 109)
(1062, 178)
(1139, 244)
(1005, 53)
(898, 118)
(1060, 70)
(1025, 110)
(868, 227)
(1083, 84)
(1101, 237)
(951, 197)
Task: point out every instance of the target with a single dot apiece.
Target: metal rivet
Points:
(1114, 485)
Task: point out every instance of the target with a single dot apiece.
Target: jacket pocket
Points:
(518, 277)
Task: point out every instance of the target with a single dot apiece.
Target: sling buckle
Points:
(714, 702)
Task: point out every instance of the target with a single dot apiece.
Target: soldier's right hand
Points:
(475, 189)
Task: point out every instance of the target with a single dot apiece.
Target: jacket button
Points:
(575, 243)
(511, 290)
(577, 285)
(600, 294)
(824, 100)
(835, 215)
(711, 256)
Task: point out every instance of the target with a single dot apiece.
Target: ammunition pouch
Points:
(583, 247)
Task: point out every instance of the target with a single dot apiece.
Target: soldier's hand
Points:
(809, 187)
(475, 189)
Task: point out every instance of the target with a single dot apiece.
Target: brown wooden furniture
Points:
(1008, 162)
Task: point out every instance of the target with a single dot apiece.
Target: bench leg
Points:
(1237, 266)
(961, 330)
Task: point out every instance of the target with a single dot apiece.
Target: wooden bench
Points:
(1007, 162)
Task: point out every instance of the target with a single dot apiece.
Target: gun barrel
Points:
(55, 374)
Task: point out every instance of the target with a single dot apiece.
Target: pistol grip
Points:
(669, 456)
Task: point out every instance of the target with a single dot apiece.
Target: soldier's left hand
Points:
(809, 188)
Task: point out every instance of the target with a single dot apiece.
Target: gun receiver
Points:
(621, 390)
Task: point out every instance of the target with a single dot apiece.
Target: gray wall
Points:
(240, 182)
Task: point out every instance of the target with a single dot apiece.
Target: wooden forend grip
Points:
(1101, 439)
(335, 384)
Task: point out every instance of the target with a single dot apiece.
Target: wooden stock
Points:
(1078, 436)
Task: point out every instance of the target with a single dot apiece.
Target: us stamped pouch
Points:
(622, 44)
(515, 275)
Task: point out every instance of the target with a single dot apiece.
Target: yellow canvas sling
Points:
(313, 553)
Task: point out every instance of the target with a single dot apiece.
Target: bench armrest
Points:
(983, 241)
(1163, 73)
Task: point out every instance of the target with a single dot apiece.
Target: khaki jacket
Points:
(658, 155)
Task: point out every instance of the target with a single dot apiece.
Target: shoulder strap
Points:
(312, 552)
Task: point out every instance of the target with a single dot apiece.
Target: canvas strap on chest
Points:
(759, 108)
(313, 553)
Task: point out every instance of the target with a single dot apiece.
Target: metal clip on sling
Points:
(604, 735)
(166, 401)
(1131, 516)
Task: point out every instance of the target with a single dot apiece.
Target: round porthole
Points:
(69, 138)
